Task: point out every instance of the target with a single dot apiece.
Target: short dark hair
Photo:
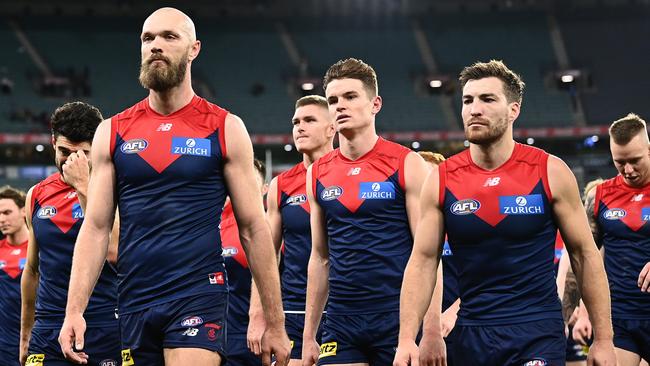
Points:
(351, 68)
(312, 100)
(624, 129)
(513, 85)
(260, 167)
(16, 195)
(76, 121)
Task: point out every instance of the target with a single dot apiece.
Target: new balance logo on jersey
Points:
(491, 182)
(376, 191)
(465, 207)
(614, 214)
(532, 204)
(46, 212)
(637, 197)
(134, 146)
(72, 194)
(190, 146)
(296, 200)
(164, 127)
(331, 193)
(354, 171)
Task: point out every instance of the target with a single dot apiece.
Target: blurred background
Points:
(585, 64)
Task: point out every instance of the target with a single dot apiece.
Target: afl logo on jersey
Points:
(465, 207)
(331, 193)
(229, 251)
(614, 214)
(296, 200)
(134, 146)
(46, 212)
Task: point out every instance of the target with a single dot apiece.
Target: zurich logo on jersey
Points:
(296, 200)
(77, 212)
(21, 263)
(229, 251)
(190, 146)
(614, 214)
(46, 212)
(645, 214)
(376, 191)
(134, 146)
(331, 193)
(531, 204)
(465, 207)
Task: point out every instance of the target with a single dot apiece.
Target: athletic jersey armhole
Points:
(113, 135)
(402, 163)
(222, 136)
(544, 173)
(32, 201)
(314, 175)
(597, 198)
(442, 174)
(278, 194)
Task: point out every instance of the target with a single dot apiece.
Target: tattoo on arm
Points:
(590, 203)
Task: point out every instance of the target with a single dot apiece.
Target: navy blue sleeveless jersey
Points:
(171, 191)
(12, 263)
(449, 277)
(500, 228)
(56, 219)
(296, 232)
(623, 213)
(239, 275)
(367, 226)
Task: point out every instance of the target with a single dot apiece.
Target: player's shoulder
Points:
(131, 113)
(297, 170)
(328, 158)
(51, 183)
(457, 161)
(204, 106)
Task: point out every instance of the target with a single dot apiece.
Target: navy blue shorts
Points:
(633, 335)
(191, 322)
(359, 338)
(9, 356)
(574, 350)
(238, 353)
(294, 324)
(101, 344)
(538, 343)
(449, 344)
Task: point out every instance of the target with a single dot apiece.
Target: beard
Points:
(494, 133)
(163, 78)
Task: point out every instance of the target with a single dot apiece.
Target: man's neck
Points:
(491, 156)
(355, 144)
(308, 158)
(170, 101)
(18, 237)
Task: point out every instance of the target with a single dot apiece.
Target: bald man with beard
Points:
(168, 163)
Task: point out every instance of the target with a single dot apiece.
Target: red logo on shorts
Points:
(216, 278)
(212, 330)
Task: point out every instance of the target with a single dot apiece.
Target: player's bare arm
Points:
(256, 322)
(255, 236)
(317, 277)
(432, 346)
(28, 284)
(586, 261)
(92, 243)
(420, 275)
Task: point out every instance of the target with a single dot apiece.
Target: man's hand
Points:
(76, 170)
(256, 327)
(601, 353)
(23, 351)
(582, 330)
(310, 352)
(407, 354)
(644, 278)
(448, 321)
(275, 342)
(71, 338)
(433, 351)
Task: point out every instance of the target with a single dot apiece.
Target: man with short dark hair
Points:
(13, 254)
(619, 211)
(55, 210)
(499, 203)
